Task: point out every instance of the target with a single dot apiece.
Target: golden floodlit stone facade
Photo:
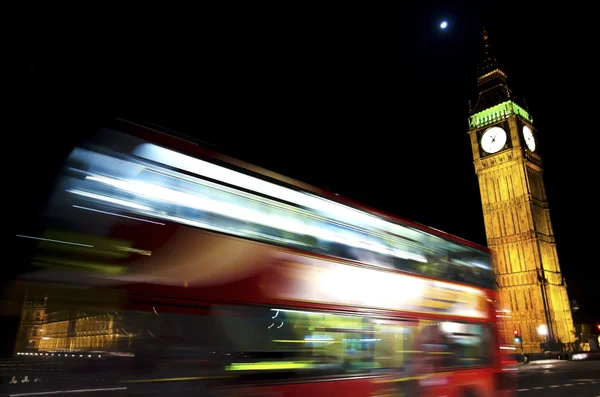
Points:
(532, 290)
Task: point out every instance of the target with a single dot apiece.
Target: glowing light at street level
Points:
(542, 330)
(444, 25)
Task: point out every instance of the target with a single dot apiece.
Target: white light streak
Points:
(122, 216)
(222, 174)
(302, 312)
(45, 393)
(231, 210)
(55, 241)
(111, 200)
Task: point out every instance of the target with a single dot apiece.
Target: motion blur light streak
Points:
(110, 200)
(301, 312)
(357, 286)
(479, 265)
(112, 213)
(269, 365)
(45, 393)
(231, 210)
(215, 172)
(160, 191)
(55, 241)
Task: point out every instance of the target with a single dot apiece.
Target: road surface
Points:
(559, 378)
(543, 378)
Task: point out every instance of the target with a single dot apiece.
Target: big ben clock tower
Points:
(516, 215)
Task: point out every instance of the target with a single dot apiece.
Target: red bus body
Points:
(354, 306)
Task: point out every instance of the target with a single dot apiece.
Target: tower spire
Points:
(489, 59)
(491, 81)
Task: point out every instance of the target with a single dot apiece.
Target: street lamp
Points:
(542, 330)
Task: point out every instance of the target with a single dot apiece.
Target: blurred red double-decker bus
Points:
(238, 281)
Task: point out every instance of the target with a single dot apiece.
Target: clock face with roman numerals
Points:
(493, 140)
(528, 136)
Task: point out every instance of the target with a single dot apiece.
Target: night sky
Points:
(369, 103)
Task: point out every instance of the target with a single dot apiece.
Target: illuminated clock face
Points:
(493, 140)
(529, 141)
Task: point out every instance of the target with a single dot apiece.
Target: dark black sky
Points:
(371, 103)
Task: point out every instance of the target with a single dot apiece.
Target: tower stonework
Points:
(30, 331)
(519, 232)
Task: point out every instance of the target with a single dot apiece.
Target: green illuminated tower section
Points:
(532, 291)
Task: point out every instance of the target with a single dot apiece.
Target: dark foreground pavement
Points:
(559, 378)
(543, 378)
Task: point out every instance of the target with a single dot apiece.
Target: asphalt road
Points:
(559, 378)
(543, 378)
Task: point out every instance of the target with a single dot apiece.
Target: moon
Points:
(444, 25)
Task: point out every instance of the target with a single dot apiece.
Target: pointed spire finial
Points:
(489, 60)
(491, 81)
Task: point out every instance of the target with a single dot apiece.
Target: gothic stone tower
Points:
(516, 215)
(32, 320)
